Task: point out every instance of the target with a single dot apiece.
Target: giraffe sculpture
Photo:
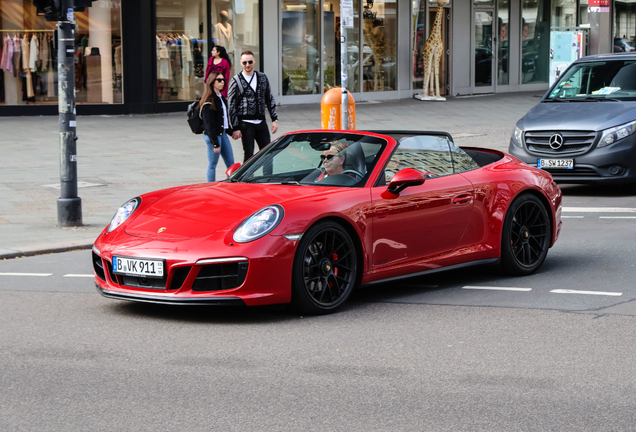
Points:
(433, 51)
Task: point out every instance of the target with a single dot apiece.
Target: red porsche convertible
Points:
(317, 213)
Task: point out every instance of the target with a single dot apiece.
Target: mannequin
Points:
(224, 34)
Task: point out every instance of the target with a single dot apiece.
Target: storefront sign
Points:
(346, 13)
(599, 3)
(598, 9)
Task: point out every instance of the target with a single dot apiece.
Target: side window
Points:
(428, 154)
(462, 160)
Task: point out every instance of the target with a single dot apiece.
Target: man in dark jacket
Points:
(249, 96)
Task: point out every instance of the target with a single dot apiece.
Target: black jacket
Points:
(213, 119)
(247, 105)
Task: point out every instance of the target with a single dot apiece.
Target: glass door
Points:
(485, 52)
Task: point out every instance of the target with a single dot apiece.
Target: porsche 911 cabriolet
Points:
(316, 213)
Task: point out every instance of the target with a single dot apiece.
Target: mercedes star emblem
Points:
(556, 141)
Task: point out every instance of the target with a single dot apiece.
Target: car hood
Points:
(594, 116)
(200, 210)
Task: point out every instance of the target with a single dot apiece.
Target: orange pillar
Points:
(330, 105)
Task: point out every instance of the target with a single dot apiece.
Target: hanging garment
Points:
(118, 69)
(165, 72)
(17, 55)
(26, 56)
(44, 53)
(175, 63)
(33, 54)
(7, 55)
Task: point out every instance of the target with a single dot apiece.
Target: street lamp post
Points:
(69, 205)
(346, 21)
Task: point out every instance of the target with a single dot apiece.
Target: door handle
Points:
(462, 199)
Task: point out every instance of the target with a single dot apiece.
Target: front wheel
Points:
(325, 269)
(526, 236)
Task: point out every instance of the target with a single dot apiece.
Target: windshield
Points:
(314, 158)
(603, 80)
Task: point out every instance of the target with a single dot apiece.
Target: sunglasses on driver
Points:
(327, 157)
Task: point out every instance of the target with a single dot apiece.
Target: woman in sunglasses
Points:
(219, 62)
(332, 160)
(216, 122)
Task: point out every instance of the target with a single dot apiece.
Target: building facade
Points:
(145, 56)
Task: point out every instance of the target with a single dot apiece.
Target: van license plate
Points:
(555, 163)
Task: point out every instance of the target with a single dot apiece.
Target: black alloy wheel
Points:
(325, 269)
(526, 236)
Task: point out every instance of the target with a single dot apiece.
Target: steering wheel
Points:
(354, 172)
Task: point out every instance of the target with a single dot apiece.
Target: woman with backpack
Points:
(213, 111)
(219, 62)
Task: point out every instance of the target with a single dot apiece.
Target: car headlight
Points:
(517, 137)
(259, 224)
(124, 213)
(611, 135)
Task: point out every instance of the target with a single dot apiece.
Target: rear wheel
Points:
(325, 269)
(526, 236)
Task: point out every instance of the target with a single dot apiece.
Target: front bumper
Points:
(614, 164)
(199, 271)
(196, 301)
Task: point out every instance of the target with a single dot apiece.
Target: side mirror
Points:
(404, 178)
(232, 169)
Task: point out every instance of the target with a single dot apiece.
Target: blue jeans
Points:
(213, 158)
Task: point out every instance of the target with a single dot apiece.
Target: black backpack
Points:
(194, 117)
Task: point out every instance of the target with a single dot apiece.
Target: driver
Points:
(333, 160)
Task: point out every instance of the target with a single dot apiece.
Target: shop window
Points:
(28, 53)
(584, 17)
(624, 26)
(503, 18)
(236, 27)
(301, 44)
(181, 41)
(563, 13)
(419, 39)
(535, 41)
(379, 53)
(331, 49)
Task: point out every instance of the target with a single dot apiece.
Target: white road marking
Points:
(496, 288)
(79, 275)
(572, 217)
(27, 274)
(567, 291)
(617, 217)
(598, 210)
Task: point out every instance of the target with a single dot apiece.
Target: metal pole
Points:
(69, 205)
(343, 72)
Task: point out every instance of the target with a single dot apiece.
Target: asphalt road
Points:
(469, 350)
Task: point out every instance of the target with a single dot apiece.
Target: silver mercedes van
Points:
(583, 129)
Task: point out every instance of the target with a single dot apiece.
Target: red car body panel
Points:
(444, 222)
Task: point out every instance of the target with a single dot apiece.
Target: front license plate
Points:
(555, 163)
(138, 267)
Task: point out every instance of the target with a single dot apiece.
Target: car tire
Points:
(526, 236)
(325, 269)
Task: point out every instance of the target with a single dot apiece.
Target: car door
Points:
(422, 221)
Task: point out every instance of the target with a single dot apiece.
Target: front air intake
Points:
(218, 277)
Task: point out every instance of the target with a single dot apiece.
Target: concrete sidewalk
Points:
(120, 157)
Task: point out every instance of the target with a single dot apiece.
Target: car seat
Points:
(354, 159)
(625, 78)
